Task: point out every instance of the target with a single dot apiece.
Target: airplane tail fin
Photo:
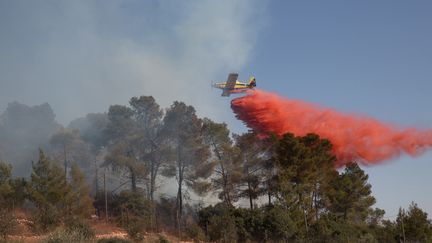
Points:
(252, 82)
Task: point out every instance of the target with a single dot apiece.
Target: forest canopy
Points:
(227, 187)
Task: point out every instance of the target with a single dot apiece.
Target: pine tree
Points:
(350, 196)
(81, 204)
(252, 159)
(227, 169)
(305, 166)
(7, 218)
(49, 191)
(414, 225)
(123, 135)
(152, 143)
(6, 189)
(67, 145)
(191, 153)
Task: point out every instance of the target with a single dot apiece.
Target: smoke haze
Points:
(82, 56)
(354, 137)
(23, 130)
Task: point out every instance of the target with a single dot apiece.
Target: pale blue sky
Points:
(367, 57)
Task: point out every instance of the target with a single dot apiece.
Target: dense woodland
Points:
(117, 167)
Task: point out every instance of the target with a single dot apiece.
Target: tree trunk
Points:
(179, 212)
(180, 200)
(315, 202)
(153, 172)
(65, 160)
(133, 179)
(250, 195)
(303, 208)
(227, 197)
(251, 202)
(225, 191)
(269, 197)
(180, 185)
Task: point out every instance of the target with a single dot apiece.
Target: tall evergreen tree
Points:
(350, 196)
(413, 225)
(7, 218)
(49, 191)
(227, 169)
(305, 166)
(123, 136)
(191, 153)
(152, 144)
(67, 146)
(6, 189)
(252, 159)
(81, 204)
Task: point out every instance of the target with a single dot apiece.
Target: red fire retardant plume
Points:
(354, 138)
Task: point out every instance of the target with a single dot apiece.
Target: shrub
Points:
(162, 239)
(82, 228)
(113, 240)
(8, 223)
(134, 226)
(193, 231)
(78, 232)
(43, 221)
(65, 236)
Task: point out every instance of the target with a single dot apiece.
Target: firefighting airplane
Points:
(232, 85)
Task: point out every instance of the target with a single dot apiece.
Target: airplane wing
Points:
(230, 83)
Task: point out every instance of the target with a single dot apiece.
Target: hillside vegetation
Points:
(115, 172)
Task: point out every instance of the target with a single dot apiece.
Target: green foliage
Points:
(78, 231)
(76, 235)
(308, 200)
(8, 223)
(278, 224)
(19, 188)
(154, 149)
(67, 146)
(386, 232)
(133, 212)
(134, 226)
(225, 161)
(123, 135)
(304, 168)
(330, 228)
(132, 203)
(49, 191)
(193, 231)
(166, 209)
(6, 189)
(80, 202)
(414, 224)
(43, 220)
(252, 157)
(191, 153)
(12, 191)
(113, 240)
(229, 224)
(314, 202)
(162, 239)
(350, 195)
(81, 227)
(218, 223)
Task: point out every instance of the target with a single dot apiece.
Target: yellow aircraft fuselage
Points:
(232, 85)
(238, 85)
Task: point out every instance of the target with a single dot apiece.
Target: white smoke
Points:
(82, 56)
